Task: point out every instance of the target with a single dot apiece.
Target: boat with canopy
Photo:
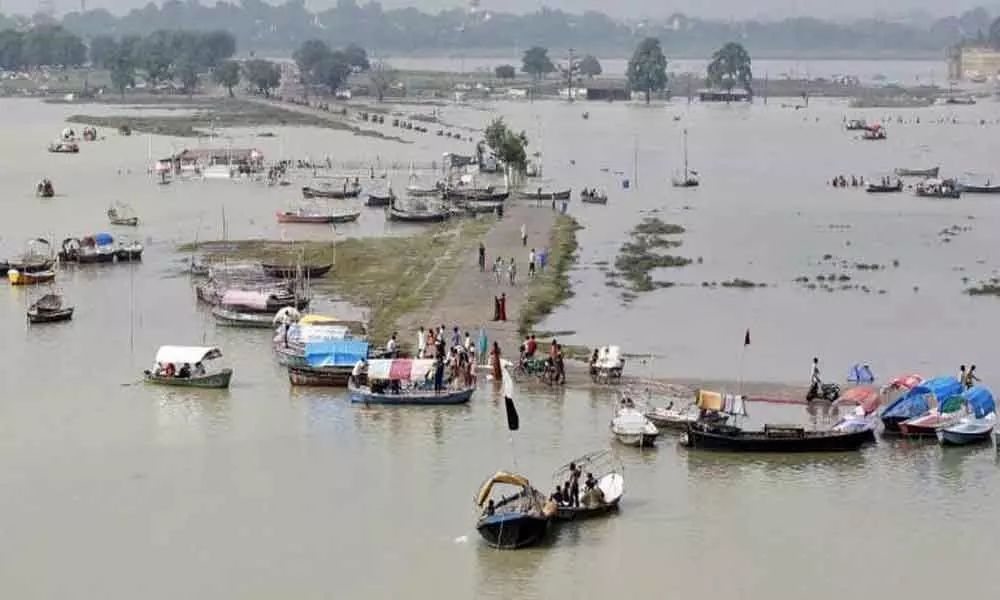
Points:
(49, 309)
(865, 399)
(512, 521)
(596, 499)
(178, 366)
(919, 400)
(977, 426)
(328, 363)
(405, 381)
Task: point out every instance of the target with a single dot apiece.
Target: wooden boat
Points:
(540, 195)
(773, 438)
(387, 378)
(877, 188)
(918, 400)
(515, 521)
(45, 189)
(591, 197)
(129, 252)
(119, 218)
(857, 125)
(378, 200)
(476, 195)
(319, 377)
(292, 271)
(980, 189)
(316, 218)
(977, 426)
(927, 424)
(476, 208)
(929, 173)
(874, 133)
(404, 216)
(37, 257)
(16, 277)
(49, 309)
(603, 498)
(669, 417)
(331, 192)
(938, 188)
(233, 318)
(64, 147)
(418, 191)
(178, 356)
(631, 427)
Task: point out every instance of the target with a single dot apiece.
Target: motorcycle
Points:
(824, 391)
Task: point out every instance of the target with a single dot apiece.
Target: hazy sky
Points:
(722, 9)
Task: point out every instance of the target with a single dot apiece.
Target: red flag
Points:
(746, 339)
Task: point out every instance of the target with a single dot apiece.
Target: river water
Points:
(114, 490)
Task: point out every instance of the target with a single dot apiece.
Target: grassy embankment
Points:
(390, 276)
(200, 114)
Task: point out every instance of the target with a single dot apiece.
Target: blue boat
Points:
(978, 426)
(919, 400)
(404, 381)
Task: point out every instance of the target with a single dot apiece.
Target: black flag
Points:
(746, 339)
(513, 421)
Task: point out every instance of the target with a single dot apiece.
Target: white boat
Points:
(217, 172)
(607, 366)
(976, 428)
(631, 427)
(673, 418)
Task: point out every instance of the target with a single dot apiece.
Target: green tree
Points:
(11, 49)
(382, 77)
(308, 56)
(357, 58)
(590, 66)
(730, 67)
(510, 148)
(186, 70)
(227, 75)
(994, 35)
(505, 72)
(102, 49)
(332, 71)
(536, 62)
(647, 69)
(263, 75)
(216, 47)
(155, 55)
(122, 66)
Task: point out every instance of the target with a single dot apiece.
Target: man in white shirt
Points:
(814, 380)
(531, 264)
(359, 369)
(390, 346)
(421, 342)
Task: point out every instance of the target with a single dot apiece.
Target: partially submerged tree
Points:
(730, 67)
(536, 62)
(505, 72)
(262, 75)
(647, 69)
(590, 66)
(382, 77)
(510, 148)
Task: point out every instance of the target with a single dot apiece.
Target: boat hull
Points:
(376, 201)
(215, 381)
(231, 318)
(580, 513)
(734, 440)
(324, 377)
(129, 222)
(20, 278)
(560, 195)
(981, 189)
(49, 316)
(290, 271)
(405, 217)
(637, 440)
(932, 173)
(447, 397)
(513, 531)
(309, 192)
(884, 189)
(949, 437)
(594, 199)
(317, 219)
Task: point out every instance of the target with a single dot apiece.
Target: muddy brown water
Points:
(126, 491)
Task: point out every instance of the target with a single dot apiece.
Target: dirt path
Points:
(468, 301)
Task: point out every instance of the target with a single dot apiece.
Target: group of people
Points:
(432, 343)
(968, 376)
(185, 371)
(842, 181)
(568, 494)
(555, 366)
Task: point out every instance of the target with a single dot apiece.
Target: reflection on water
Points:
(190, 416)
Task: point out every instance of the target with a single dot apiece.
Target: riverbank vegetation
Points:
(390, 277)
(551, 287)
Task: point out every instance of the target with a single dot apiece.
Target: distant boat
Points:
(931, 172)
(938, 188)
(178, 356)
(428, 216)
(882, 188)
(328, 191)
(49, 309)
(542, 195)
(122, 217)
(16, 277)
(302, 216)
(607, 492)
(593, 197)
(291, 271)
(689, 178)
(378, 200)
(386, 379)
(631, 427)
(233, 318)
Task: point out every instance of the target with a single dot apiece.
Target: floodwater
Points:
(110, 489)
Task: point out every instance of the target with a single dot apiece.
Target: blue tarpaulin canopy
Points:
(341, 353)
(103, 239)
(917, 401)
(861, 373)
(980, 401)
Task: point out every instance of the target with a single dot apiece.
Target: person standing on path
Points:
(498, 269)
(503, 307)
(482, 257)
(524, 235)
(512, 271)
(531, 264)
(421, 342)
(496, 308)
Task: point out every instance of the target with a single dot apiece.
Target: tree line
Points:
(730, 67)
(263, 27)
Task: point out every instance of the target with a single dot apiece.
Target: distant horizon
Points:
(763, 10)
